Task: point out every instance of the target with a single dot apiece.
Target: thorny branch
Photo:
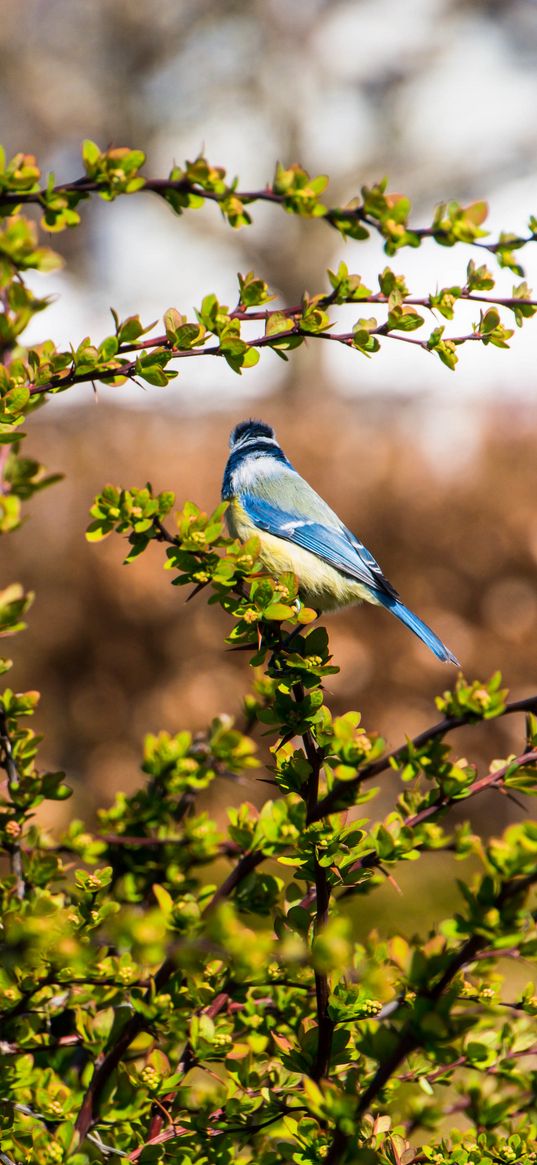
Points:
(409, 1038)
(329, 804)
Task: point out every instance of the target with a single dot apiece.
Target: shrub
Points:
(181, 988)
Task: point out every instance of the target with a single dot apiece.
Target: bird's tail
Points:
(419, 628)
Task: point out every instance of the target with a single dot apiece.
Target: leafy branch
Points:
(129, 956)
(410, 1035)
(343, 793)
(49, 371)
(114, 172)
(112, 1057)
(45, 370)
(9, 764)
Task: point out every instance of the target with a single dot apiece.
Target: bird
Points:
(299, 532)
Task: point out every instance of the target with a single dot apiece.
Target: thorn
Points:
(390, 878)
(285, 739)
(511, 797)
(196, 591)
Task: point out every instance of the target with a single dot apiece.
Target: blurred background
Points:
(435, 471)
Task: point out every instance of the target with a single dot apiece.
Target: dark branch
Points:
(244, 867)
(9, 764)
(325, 1025)
(409, 1039)
(329, 804)
(90, 1106)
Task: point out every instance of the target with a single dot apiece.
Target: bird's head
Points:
(251, 433)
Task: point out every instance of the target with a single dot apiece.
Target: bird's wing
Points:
(333, 543)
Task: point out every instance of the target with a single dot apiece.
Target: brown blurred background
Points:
(435, 472)
(117, 653)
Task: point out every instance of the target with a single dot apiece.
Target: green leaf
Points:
(91, 155)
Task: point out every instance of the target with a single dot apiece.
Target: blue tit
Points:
(299, 532)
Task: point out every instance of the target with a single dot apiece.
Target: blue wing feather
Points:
(276, 499)
(342, 550)
(334, 544)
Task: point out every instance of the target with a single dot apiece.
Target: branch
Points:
(227, 849)
(328, 804)
(8, 763)
(325, 1025)
(109, 1062)
(186, 1063)
(90, 1105)
(490, 780)
(409, 1039)
(245, 866)
(10, 1049)
(304, 203)
(131, 372)
(464, 1062)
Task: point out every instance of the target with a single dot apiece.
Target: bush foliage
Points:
(181, 988)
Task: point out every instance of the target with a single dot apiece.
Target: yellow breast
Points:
(321, 586)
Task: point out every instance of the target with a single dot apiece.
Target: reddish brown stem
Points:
(329, 803)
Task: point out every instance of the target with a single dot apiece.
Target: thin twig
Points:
(328, 804)
(464, 1062)
(186, 1063)
(333, 216)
